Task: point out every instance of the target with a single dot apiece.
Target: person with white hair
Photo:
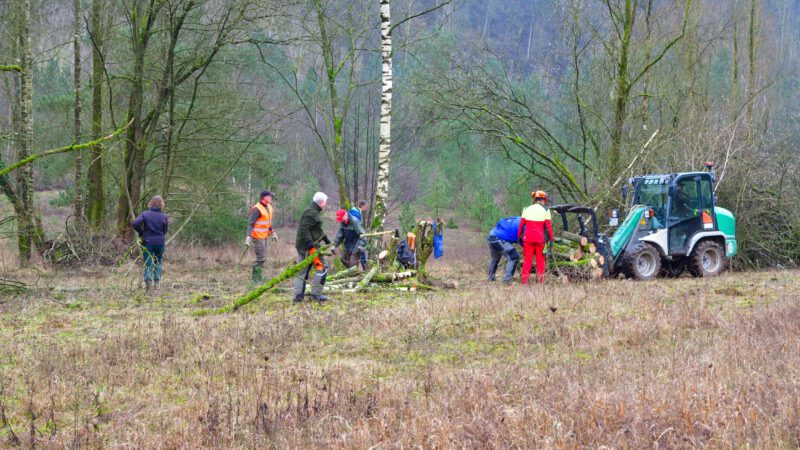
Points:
(309, 236)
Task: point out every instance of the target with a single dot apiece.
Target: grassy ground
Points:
(87, 360)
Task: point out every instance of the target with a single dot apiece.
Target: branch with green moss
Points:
(55, 151)
(10, 68)
(264, 288)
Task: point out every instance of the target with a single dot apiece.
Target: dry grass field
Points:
(88, 361)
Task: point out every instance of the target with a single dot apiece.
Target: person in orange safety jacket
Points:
(535, 230)
(259, 228)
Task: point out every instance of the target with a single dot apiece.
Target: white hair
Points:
(319, 197)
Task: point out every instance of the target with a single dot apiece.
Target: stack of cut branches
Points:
(386, 273)
(79, 245)
(575, 258)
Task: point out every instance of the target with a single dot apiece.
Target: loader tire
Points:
(707, 259)
(642, 262)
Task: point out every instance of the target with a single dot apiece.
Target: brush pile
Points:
(387, 273)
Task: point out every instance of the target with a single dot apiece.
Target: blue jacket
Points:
(506, 229)
(356, 213)
(152, 226)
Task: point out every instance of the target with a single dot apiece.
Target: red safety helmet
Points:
(539, 194)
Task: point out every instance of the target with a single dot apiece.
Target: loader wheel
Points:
(642, 262)
(707, 259)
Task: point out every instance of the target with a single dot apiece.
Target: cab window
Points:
(685, 203)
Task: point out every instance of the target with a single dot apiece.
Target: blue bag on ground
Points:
(438, 242)
(507, 229)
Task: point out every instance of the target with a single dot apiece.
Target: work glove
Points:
(248, 241)
(274, 236)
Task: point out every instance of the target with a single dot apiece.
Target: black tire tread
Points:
(628, 262)
(695, 263)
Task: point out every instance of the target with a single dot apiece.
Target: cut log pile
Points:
(385, 274)
(574, 258)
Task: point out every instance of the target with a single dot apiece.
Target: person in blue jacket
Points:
(501, 242)
(357, 213)
(152, 227)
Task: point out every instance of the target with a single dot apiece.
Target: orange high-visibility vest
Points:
(261, 229)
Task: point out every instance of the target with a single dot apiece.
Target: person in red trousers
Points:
(535, 220)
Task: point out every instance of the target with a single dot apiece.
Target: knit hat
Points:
(341, 215)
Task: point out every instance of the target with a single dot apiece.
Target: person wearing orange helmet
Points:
(535, 230)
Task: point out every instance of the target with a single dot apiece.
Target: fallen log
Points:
(574, 237)
(394, 276)
(8, 286)
(344, 273)
(269, 285)
(365, 282)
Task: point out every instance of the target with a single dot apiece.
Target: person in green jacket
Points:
(309, 235)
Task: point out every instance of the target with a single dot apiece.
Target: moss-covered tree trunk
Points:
(77, 207)
(336, 150)
(622, 92)
(95, 196)
(141, 24)
(29, 231)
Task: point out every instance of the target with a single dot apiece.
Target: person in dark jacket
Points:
(349, 234)
(501, 242)
(309, 235)
(360, 213)
(152, 227)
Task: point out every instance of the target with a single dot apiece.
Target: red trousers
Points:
(529, 249)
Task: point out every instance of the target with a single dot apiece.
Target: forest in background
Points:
(492, 98)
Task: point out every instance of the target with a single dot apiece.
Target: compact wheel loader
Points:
(672, 225)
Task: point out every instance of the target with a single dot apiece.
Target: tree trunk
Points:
(336, 155)
(133, 160)
(29, 232)
(76, 46)
(751, 56)
(96, 199)
(385, 146)
(623, 91)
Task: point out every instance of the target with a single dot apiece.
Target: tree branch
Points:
(66, 149)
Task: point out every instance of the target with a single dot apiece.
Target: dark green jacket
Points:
(309, 233)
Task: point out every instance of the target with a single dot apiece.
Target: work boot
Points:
(148, 287)
(297, 299)
(320, 298)
(157, 285)
(257, 274)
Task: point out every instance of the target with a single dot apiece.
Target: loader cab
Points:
(680, 206)
(690, 210)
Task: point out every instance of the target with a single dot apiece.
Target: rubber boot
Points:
(258, 276)
(148, 287)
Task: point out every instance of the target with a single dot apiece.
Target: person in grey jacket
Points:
(349, 234)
